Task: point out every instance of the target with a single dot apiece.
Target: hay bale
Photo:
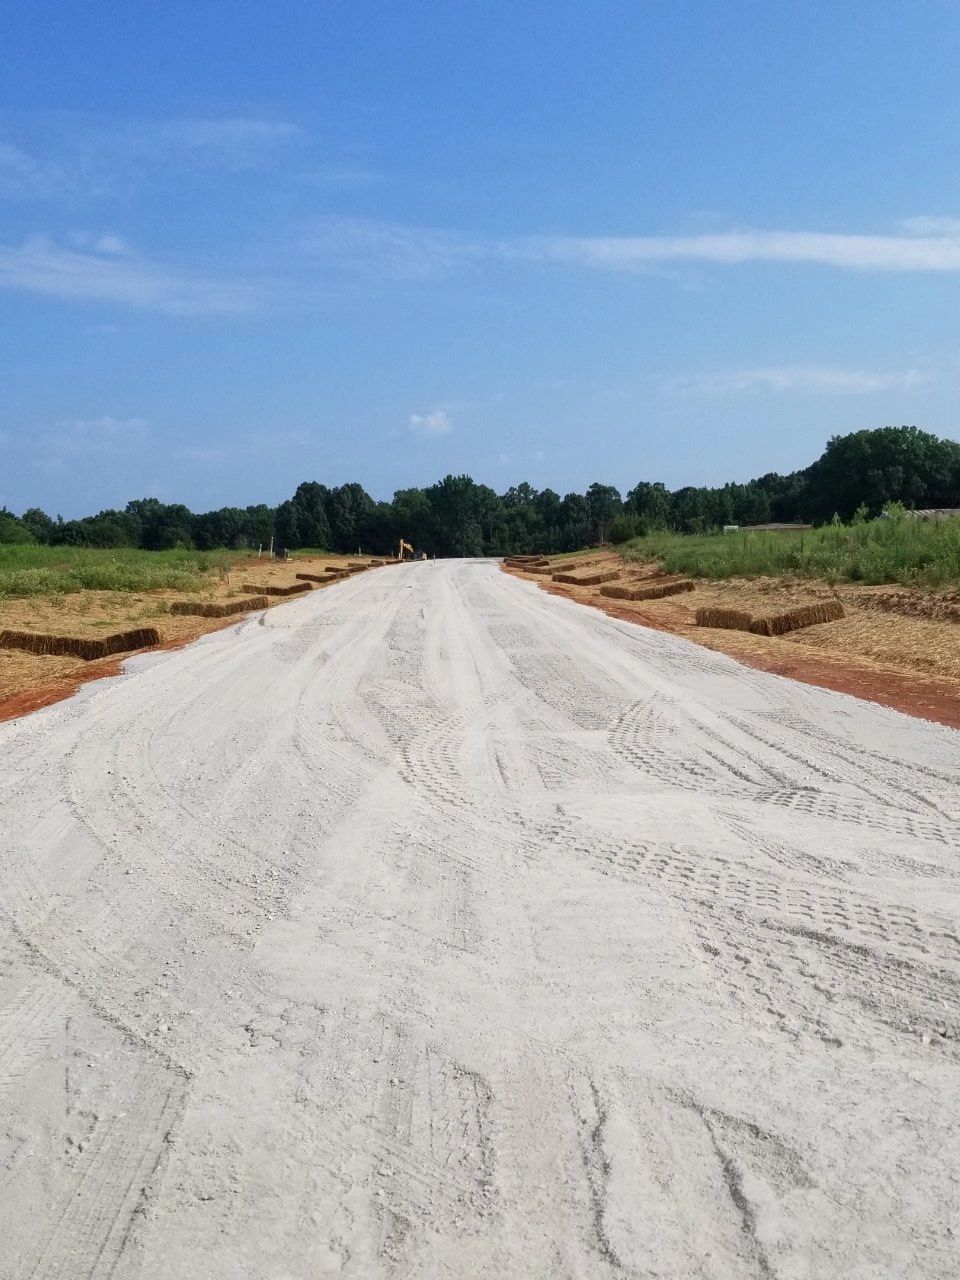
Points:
(295, 589)
(775, 624)
(648, 590)
(574, 566)
(528, 566)
(588, 579)
(725, 619)
(809, 615)
(219, 609)
(73, 647)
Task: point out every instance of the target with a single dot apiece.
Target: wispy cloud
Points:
(403, 251)
(75, 157)
(111, 273)
(435, 423)
(87, 436)
(235, 143)
(939, 252)
(387, 249)
(21, 175)
(813, 379)
(932, 226)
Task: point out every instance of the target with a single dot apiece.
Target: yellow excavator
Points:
(405, 546)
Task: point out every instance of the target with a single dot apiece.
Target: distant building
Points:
(937, 514)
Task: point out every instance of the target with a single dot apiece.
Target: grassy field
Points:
(909, 551)
(51, 571)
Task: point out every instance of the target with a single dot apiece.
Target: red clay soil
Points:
(926, 697)
(21, 704)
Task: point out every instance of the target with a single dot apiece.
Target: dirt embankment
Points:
(895, 645)
(29, 681)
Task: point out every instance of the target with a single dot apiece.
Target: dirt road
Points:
(436, 927)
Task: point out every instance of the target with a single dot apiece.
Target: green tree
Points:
(13, 530)
(605, 505)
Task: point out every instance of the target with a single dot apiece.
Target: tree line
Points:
(857, 473)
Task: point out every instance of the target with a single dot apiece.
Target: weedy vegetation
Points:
(37, 570)
(897, 548)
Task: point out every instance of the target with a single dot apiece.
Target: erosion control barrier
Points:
(294, 590)
(808, 615)
(322, 578)
(70, 647)
(588, 579)
(774, 624)
(648, 590)
(572, 566)
(219, 609)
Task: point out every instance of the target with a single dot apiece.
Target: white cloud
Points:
(75, 156)
(23, 176)
(237, 143)
(86, 436)
(106, 424)
(401, 251)
(940, 252)
(43, 267)
(389, 249)
(112, 244)
(932, 226)
(435, 423)
(814, 379)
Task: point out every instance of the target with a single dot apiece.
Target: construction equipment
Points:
(405, 546)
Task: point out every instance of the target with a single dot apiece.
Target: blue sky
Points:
(243, 245)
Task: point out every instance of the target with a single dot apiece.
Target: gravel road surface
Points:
(432, 926)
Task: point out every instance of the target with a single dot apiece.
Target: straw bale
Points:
(593, 579)
(810, 615)
(727, 619)
(648, 590)
(293, 590)
(73, 647)
(219, 608)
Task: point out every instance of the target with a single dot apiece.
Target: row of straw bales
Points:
(90, 649)
(774, 624)
(648, 590)
(219, 609)
(73, 647)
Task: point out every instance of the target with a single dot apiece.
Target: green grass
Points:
(49, 571)
(912, 552)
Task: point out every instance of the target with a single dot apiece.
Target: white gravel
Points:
(435, 927)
